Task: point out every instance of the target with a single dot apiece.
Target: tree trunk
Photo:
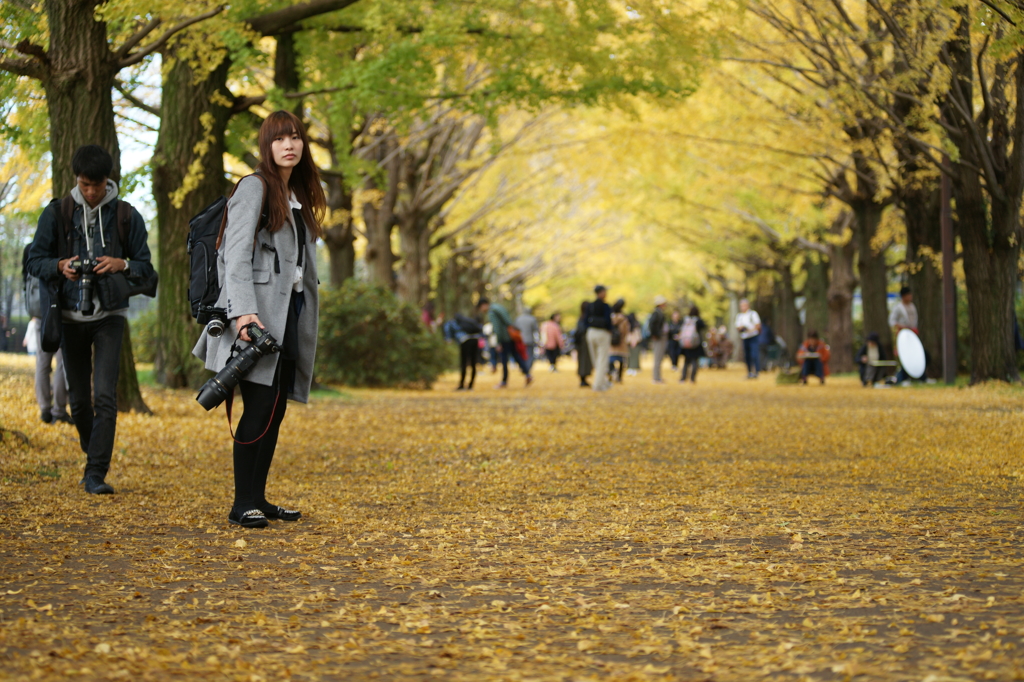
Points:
(129, 397)
(788, 320)
(990, 267)
(816, 292)
(379, 214)
(988, 216)
(188, 175)
(414, 271)
(78, 85)
(924, 245)
(339, 236)
(874, 279)
(840, 299)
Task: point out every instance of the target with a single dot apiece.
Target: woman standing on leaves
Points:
(266, 262)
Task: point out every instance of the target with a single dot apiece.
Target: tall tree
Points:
(77, 70)
(984, 114)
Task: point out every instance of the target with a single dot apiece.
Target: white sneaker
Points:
(907, 383)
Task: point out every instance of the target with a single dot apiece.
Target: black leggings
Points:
(263, 411)
(467, 360)
(262, 414)
(690, 365)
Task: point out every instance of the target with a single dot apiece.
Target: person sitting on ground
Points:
(870, 353)
(812, 356)
(620, 341)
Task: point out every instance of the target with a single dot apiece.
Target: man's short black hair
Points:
(905, 290)
(483, 301)
(92, 161)
(599, 288)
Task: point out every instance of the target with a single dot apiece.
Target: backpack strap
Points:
(64, 214)
(264, 218)
(124, 224)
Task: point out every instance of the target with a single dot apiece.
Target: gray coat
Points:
(251, 286)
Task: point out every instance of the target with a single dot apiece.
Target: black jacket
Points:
(600, 316)
(468, 325)
(864, 351)
(43, 252)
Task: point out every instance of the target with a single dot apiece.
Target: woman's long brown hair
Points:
(304, 180)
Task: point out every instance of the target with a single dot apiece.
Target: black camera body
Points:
(219, 387)
(85, 268)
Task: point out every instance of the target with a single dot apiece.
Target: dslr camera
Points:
(85, 268)
(219, 387)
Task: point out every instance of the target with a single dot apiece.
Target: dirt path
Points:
(731, 530)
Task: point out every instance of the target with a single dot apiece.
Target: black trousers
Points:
(260, 423)
(552, 355)
(467, 360)
(691, 363)
(93, 394)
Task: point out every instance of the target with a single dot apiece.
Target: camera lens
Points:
(215, 328)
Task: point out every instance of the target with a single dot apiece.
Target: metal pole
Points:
(948, 284)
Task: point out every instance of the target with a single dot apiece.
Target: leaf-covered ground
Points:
(731, 530)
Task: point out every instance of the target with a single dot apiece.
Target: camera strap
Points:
(231, 399)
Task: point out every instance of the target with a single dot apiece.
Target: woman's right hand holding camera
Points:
(244, 321)
(65, 268)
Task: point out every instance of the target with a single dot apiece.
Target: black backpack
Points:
(203, 232)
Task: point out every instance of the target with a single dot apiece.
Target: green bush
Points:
(370, 338)
(144, 335)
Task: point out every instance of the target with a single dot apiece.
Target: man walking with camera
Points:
(84, 250)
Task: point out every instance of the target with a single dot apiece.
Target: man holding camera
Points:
(84, 250)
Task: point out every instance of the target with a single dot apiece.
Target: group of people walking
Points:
(606, 339)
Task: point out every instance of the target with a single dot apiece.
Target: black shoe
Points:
(45, 416)
(272, 511)
(94, 485)
(66, 418)
(251, 518)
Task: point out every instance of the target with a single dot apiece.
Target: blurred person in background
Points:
(552, 339)
(502, 326)
(691, 341)
(635, 341)
(584, 366)
(530, 329)
(657, 325)
(467, 333)
(620, 341)
(51, 391)
(599, 337)
(675, 325)
(812, 356)
(870, 353)
(748, 324)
